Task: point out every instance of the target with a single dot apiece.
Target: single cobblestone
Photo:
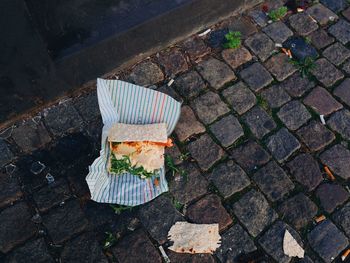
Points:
(215, 72)
(254, 212)
(337, 159)
(280, 66)
(335, 5)
(205, 151)
(6, 155)
(50, 196)
(99, 214)
(256, 76)
(298, 210)
(243, 25)
(172, 61)
(229, 179)
(33, 251)
(146, 73)
(87, 106)
(188, 124)
(209, 107)
(342, 218)
(16, 226)
(259, 17)
(209, 210)
(278, 31)
(227, 130)
(10, 189)
(306, 171)
(272, 241)
(341, 31)
(217, 38)
(234, 241)
(261, 45)
(36, 136)
(327, 240)
(321, 39)
(189, 84)
(336, 53)
(136, 247)
(316, 136)
(84, 248)
(236, 57)
(293, 115)
(239, 97)
(189, 187)
(158, 216)
(275, 96)
(62, 118)
(340, 122)
(342, 91)
(282, 145)
(259, 122)
(322, 102)
(331, 196)
(195, 48)
(326, 73)
(273, 181)
(302, 23)
(321, 14)
(250, 155)
(64, 222)
(296, 86)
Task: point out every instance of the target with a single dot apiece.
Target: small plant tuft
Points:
(109, 241)
(233, 39)
(304, 66)
(172, 167)
(278, 14)
(118, 209)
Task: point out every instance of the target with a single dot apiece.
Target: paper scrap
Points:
(165, 256)
(291, 247)
(170, 82)
(194, 238)
(204, 33)
(322, 119)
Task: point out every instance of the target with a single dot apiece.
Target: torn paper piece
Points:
(291, 247)
(194, 238)
(204, 33)
(322, 119)
(165, 256)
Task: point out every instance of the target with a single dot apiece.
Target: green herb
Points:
(178, 205)
(308, 40)
(172, 167)
(109, 241)
(184, 156)
(123, 165)
(304, 66)
(278, 13)
(118, 209)
(233, 39)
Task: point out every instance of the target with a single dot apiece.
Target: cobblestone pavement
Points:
(250, 138)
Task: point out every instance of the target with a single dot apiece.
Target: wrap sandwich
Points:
(137, 149)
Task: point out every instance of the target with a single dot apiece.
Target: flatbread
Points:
(291, 247)
(122, 132)
(194, 238)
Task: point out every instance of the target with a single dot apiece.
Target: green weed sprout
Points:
(278, 14)
(233, 39)
(304, 66)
